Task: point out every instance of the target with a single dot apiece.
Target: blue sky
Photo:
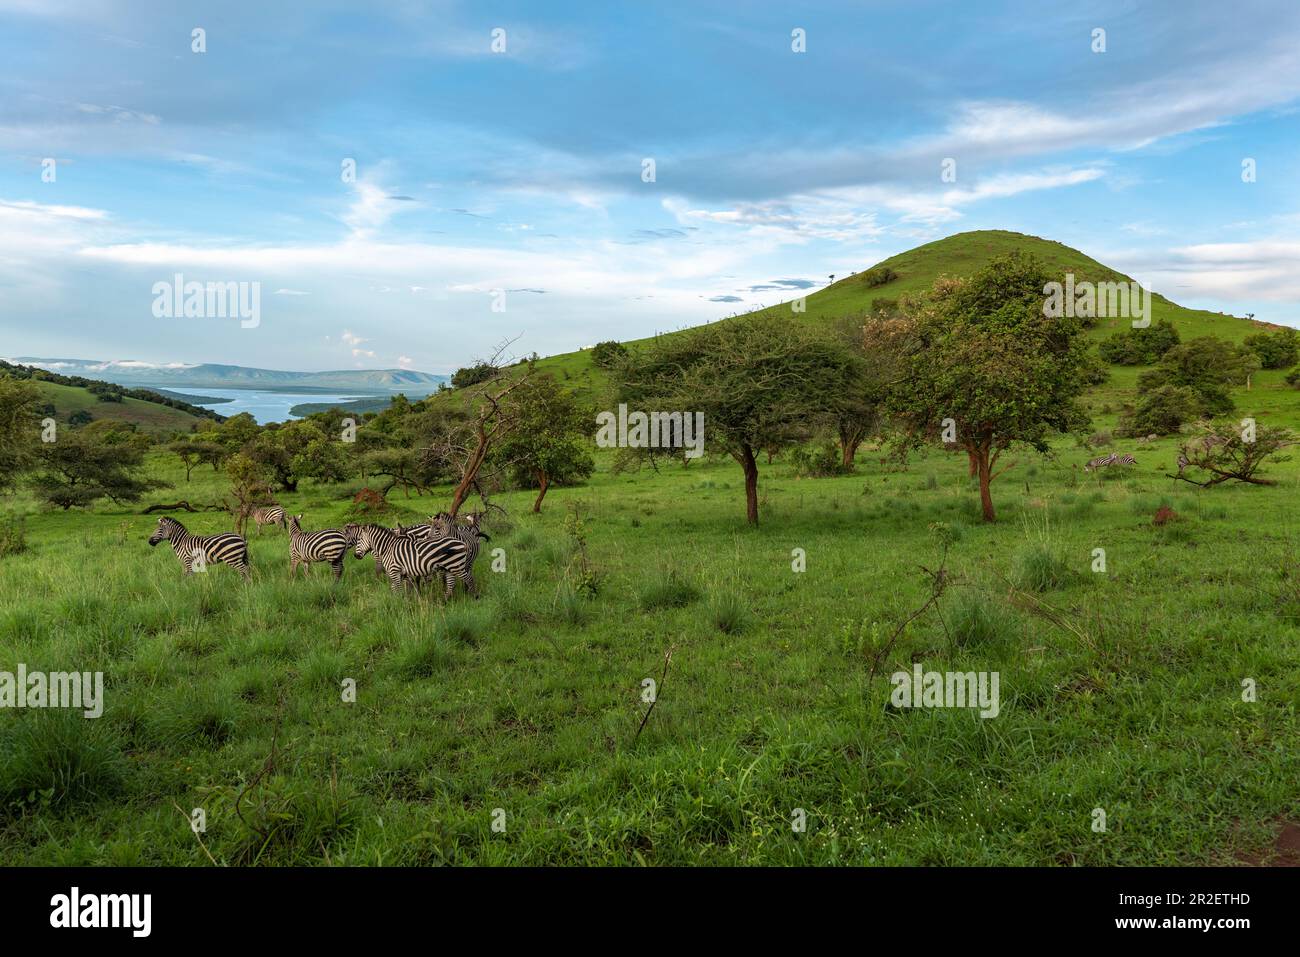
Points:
(521, 170)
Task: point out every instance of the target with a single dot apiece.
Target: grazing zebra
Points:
(405, 557)
(382, 538)
(1106, 461)
(202, 550)
(329, 545)
(267, 515)
(442, 526)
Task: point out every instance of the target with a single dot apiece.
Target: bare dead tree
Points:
(1229, 453)
(463, 448)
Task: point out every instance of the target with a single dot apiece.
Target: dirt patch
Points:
(1285, 851)
(1164, 515)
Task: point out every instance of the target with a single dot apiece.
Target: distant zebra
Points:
(1105, 461)
(1183, 462)
(200, 551)
(267, 515)
(329, 545)
(443, 525)
(408, 558)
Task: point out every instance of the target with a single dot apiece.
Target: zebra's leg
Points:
(471, 586)
(338, 569)
(451, 586)
(394, 580)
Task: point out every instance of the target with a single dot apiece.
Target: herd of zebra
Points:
(442, 548)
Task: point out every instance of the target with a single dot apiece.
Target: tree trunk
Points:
(974, 464)
(980, 458)
(848, 451)
(544, 482)
(751, 483)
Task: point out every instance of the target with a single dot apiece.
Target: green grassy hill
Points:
(958, 255)
(149, 416)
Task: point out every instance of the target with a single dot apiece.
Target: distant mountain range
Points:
(212, 376)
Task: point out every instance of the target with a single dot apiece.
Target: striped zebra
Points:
(200, 551)
(443, 525)
(382, 538)
(408, 558)
(267, 515)
(1106, 461)
(1183, 462)
(329, 545)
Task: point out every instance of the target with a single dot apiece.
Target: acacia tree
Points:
(97, 461)
(761, 382)
(986, 368)
(550, 441)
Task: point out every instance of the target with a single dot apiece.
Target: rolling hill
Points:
(958, 255)
(149, 416)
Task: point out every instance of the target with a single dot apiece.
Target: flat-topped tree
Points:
(762, 382)
(985, 368)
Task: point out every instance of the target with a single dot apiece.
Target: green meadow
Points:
(1120, 690)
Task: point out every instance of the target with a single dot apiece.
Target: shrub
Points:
(1162, 411)
(818, 461)
(1276, 350)
(473, 375)
(878, 276)
(608, 354)
(1140, 347)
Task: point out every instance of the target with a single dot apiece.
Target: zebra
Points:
(1183, 462)
(382, 538)
(442, 526)
(202, 550)
(405, 557)
(1106, 461)
(329, 545)
(267, 515)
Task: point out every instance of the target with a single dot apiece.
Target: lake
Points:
(263, 405)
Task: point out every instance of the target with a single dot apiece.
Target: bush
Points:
(1140, 347)
(1162, 411)
(878, 276)
(608, 354)
(818, 461)
(1276, 350)
(473, 375)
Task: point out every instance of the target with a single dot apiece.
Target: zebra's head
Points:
(440, 525)
(167, 528)
(294, 521)
(365, 539)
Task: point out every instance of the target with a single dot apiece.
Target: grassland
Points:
(529, 699)
(1121, 690)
